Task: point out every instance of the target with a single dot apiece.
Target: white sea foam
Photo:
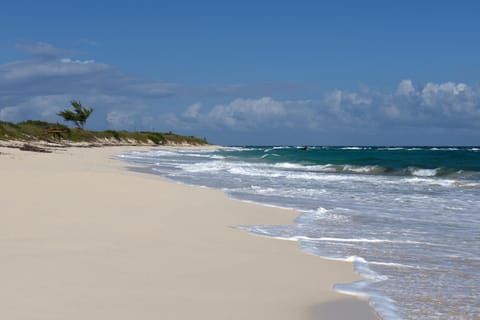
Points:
(352, 148)
(324, 177)
(332, 168)
(363, 169)
(237, 149)
(361, 266)
(431, 182)
(353, 240)
(255, 172)
(423, 172)
(270, 155)
(293, 166)
(321, 211)
(324, 214)
(265, 190)
(392, 148)
(212, 166)
(383, 304)
(326, 168)
(392, 264)
(160, 152)
(199, 155)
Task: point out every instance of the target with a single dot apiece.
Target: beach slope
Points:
(83, 238)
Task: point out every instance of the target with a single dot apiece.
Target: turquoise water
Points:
(409, 218)
(383, 160)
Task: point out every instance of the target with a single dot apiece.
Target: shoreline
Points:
(133, 247)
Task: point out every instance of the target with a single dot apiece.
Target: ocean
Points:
(407, 217)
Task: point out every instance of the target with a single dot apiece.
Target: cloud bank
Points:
(38, 87)
(444, 105)
(45, 83)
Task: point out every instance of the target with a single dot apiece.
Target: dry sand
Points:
(81, 237)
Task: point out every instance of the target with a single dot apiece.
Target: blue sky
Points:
(250, 72)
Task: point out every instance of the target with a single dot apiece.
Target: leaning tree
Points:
(78, 116)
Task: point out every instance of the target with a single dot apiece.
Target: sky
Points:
(250, 72)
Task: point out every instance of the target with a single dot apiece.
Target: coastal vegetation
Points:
(31, 131)
(78, 116)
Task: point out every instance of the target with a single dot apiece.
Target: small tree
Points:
(79, 116)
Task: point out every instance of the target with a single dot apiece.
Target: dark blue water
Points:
(409, 218)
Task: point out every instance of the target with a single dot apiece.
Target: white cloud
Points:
(193, 111)
(391, 112)
(248, 110)
(405, 88)
(450, 98)
(120, 119)
(41, 50)
(433, 94)
(8, 113)
(64, 74)
(48, 70)
(241, 113)
(338, 98)
(40, 107)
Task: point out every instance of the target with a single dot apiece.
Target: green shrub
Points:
(9, 131)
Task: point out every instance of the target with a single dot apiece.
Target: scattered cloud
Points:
(247, 113)
(41, 107)
(29, 71)
(193, 112)
(451, 98)
(78, 76)
(120, 119)
(41, 50)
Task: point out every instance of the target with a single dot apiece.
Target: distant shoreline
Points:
(42, 135)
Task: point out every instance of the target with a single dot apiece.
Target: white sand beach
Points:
(82, 237)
